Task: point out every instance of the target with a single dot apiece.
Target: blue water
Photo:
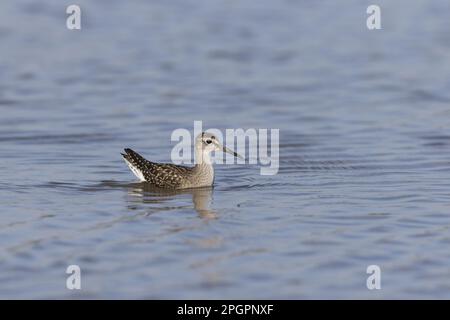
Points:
(364, 149)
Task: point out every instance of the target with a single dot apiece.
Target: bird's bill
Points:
(225, 149)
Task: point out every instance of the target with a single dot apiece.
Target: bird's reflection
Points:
(201, 197)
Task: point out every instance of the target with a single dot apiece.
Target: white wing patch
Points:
(138, 173)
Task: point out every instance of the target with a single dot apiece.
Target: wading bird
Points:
(171, 176)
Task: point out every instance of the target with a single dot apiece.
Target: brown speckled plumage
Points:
(163, 175)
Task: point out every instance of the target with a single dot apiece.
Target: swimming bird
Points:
(171, 176)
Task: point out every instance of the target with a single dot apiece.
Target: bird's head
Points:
(208, 143)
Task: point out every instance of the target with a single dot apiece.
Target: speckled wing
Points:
(163, 175)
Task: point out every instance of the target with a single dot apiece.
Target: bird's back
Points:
(163, 175)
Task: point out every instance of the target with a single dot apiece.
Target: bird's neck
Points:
(203, 170)
(202, 158)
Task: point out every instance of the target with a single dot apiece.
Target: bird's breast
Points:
(204, 176)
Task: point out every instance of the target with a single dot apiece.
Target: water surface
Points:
(364, 149)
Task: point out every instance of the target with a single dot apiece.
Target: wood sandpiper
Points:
(171, 176)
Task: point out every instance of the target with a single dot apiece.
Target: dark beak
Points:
(225, 149)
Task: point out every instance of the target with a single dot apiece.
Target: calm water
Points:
(364, 148)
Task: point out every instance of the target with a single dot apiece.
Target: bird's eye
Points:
(208, 141)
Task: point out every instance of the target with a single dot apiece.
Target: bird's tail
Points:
(136, 162)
